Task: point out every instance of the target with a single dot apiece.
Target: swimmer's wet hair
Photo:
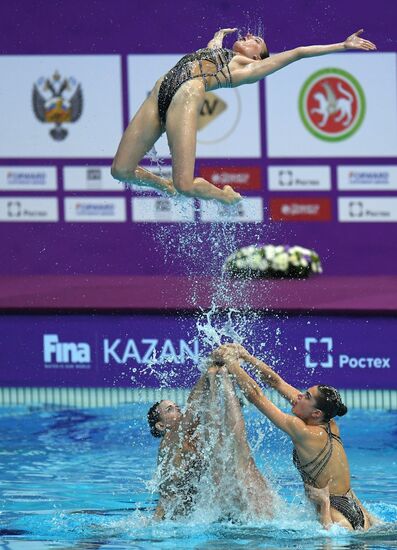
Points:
(265, 54)
(153, 416)
(330, 403)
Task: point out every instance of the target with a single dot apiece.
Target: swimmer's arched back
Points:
(176, 99)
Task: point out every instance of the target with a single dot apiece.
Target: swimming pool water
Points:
(81, 479)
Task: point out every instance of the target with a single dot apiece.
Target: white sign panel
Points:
(339, 105)
(230, 118)
(28, 209)
(299, 178)
(28, 178)
(249, 210)
(367, 209)
(162, 209)
(367, 178)
(89, 178)
(60, 106)
(95, 209)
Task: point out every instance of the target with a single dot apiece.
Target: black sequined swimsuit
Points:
(345, 504)
(183, 71)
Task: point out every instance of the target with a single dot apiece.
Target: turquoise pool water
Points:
(81, 479)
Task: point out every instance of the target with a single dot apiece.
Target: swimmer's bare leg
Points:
(260, 498)
(141, 134)
(181, 128)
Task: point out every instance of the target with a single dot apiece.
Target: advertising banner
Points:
(90, 178)
(29, 209)
(165, 350)
(299, 178)
(229, 123)
(330, 107)
(28, 178)
(67, 106)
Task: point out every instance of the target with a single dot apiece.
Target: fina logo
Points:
(309, 343)
(65, 352)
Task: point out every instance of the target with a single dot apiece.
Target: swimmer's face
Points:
(169, 413)
(250, 46)
(305, 405)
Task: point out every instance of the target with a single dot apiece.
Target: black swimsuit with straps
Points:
(345, 504)
(182, 72)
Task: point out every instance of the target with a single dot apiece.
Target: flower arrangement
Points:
(274, 262)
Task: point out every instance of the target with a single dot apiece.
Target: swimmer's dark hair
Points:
(153, 416)
(330, 403)
(265, 54)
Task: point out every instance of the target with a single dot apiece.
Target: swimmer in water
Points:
(318, 452)
(207, 444)
(175, 103)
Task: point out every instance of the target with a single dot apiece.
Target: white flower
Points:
(240, 264)
(270, 252)
(280, 262)
(254, 262)
(279, 249)
(263, 265)
(294, 260)
(304, 262)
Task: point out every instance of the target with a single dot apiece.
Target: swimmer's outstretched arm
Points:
(259, 69)
(266, 373)
(217, 41)
(293, 426)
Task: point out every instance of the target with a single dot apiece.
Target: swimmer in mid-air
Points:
(176, 100)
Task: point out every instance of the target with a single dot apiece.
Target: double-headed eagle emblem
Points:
(57, 101)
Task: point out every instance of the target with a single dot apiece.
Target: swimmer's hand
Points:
(240, 350)
(226, 31)
(354, 42)
(225, 353)
(217, 41)
(318, 496)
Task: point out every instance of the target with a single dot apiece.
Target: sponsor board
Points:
(28, 209)
(299, 178)
(28, 178)
(367, 178)
(301, 209)
(329, 107)
(229, 121)
(165, 350)
(249, 210)
(68, 106)
(241, 178)
(95, 209)
(367, 209)
(89, 178)
(320, 353)
(162, 210)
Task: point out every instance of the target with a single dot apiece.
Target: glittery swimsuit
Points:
(183, 71)
(345, 504)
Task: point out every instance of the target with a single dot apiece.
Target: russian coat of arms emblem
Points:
(57, 100)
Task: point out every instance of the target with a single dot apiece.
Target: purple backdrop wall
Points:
(126, 27)
(164, 350)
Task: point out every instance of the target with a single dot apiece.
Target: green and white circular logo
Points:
(332, 104)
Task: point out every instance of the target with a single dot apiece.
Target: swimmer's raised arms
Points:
(176, 100)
